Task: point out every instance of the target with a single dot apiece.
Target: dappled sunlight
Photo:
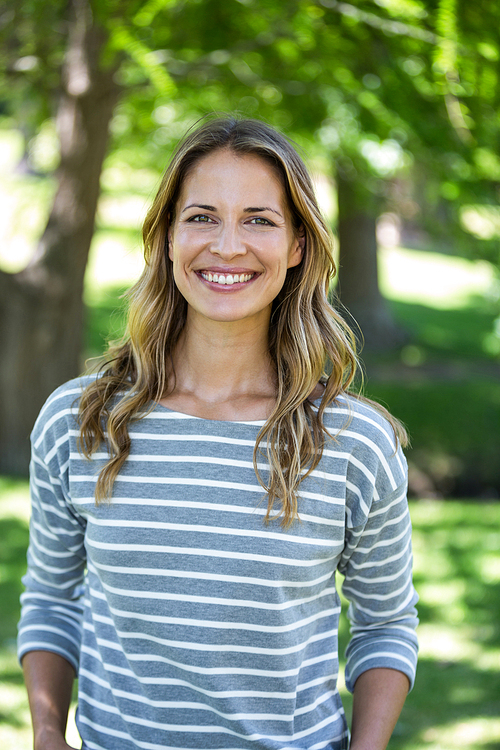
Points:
(113, 260)
(442, 281)
(481, 221)
(24, 204)
(122, 212)
(479, 733)
(447, 643)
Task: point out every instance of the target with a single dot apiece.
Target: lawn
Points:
(456, 700)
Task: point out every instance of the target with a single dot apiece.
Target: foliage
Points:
(383, 89)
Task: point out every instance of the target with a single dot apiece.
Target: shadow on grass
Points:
(454, 429)
(446, 697)
(460, 333)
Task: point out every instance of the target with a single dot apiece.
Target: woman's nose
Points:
(228, 243)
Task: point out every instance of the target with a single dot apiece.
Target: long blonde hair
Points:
(309, 341)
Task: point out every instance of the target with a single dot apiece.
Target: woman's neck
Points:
(223, 372)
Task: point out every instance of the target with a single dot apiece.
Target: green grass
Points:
(458, 333)
(444, 386)
(456, 700)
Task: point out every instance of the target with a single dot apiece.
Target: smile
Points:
(226, 278)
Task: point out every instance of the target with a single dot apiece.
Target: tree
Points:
(41, 307)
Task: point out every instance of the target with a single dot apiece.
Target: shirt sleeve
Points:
(377, 565)
(51, 611)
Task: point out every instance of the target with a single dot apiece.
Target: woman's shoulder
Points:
(362, 432)
(61, 407)
(362, 428)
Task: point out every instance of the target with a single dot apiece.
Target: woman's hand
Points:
(48, 740)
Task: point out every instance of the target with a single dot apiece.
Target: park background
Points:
(395, 105)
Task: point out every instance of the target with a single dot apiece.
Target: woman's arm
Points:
(49, 680)
(50, 627)
(379, 695)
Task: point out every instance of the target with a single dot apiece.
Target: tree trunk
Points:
(41, 307)
(358, 273)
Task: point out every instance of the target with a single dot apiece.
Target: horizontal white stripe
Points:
(190, 668)
(358, 594)
(378, 655)
(261, 534)
(53, 451)
(76, 391)
(205, 647)
(47, 645)
(399, 610)
(379, 563)
(380, 579)
(141, 502)
(401, 498)
(197, 706)
(366, 472)
(385, 542)
(50, 583)
(356, 491)
(394, 641)
(55, 570)
(387, 524)
(199, 575)
(185, 706)
(214, 600)
(355, 414)
(217, 624)
(226, 440)
(195, 482)
(202, 552)
(41, 628)
(46, 551)
(174, 681)
(164, 413)
(211, 460)
(57, 531)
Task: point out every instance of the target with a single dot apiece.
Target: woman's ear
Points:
(297, 249)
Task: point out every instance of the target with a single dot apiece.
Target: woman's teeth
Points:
(229, 278)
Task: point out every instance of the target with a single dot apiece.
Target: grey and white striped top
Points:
(192, 624)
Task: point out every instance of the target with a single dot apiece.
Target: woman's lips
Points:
(227, 279)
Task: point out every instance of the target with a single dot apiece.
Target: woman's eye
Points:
(262, 221)
(200, 218)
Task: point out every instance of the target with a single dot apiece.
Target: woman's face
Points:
(232, 240)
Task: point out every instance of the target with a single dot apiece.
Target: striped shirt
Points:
(192, 623)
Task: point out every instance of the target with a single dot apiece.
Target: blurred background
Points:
(395, 105)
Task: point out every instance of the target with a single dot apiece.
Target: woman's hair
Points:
(309, 341)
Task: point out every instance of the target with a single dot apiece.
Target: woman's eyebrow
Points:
(249, 210)
(199, 205)
(258, 209)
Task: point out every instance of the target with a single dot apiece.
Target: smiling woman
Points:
(195, 614)
(230, 263)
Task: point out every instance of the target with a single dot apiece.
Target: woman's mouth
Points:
(227, 279)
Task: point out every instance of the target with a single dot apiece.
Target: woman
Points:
(212, 479)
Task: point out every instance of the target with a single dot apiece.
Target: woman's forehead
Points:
(233, 177)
